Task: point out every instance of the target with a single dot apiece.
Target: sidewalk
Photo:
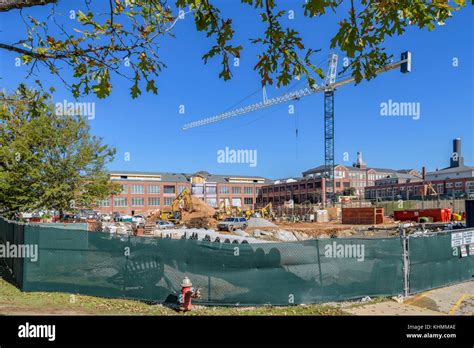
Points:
(451, 300)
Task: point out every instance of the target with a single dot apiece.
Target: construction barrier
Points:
(147, 268)
(12, 234)
(440, 259)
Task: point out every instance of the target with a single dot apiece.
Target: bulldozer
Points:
(181, 202)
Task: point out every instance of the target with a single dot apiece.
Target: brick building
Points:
(147, 191)
(309, 188)
(455, 181)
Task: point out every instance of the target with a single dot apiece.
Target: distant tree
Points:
(48, 161)
(350, 191)
(125, 41)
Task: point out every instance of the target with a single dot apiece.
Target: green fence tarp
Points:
(102, 264)
(434, 263)
(64, 226)
(268, 273)
(12, 234)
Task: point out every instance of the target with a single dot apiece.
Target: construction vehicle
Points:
(265, 212)
(431, 188)
(225, 211)
(221, 211)
(181, 202)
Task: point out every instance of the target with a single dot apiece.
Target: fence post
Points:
(320, 272)
(406, 262)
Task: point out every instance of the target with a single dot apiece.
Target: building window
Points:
(138, 189)
(236, 190)
(225, 200)
(345, 184)
(248, 200)
(153, 201)
(169, 189)
(138, 201)
(211, 202)
(224, 189)
(124, 188)
(258, 191)
(248, 190)
(120, 202)
(181, 188)
(237, 202)
(154, 189)
(211, 190)
(449, 184)
(197, 190)
(168, 200)
(458, 184)
(101, 203)
(338, 184)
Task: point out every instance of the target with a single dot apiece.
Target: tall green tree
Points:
(126, 40)
(48, 161)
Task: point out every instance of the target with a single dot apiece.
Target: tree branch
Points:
(7, 5)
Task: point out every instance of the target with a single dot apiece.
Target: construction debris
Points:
(255, 222)
(286, 236)
(117, 227)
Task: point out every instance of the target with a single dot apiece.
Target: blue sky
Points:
(149, 128)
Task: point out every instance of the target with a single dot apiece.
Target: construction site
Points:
(176, 167)
(286, 230)
(192, 218)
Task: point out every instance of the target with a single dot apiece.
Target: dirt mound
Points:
(153, 215)
(201, 210)
(200, 206)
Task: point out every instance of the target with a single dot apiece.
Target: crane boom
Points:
(304, 92)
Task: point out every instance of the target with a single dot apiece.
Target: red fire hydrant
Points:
(187, 293)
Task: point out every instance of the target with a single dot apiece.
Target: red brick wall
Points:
(146, 208)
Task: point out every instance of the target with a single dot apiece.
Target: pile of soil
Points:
(201, 210)
(153, 215)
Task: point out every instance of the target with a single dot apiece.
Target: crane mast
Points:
(329, 127)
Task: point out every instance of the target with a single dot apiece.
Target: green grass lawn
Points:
(15, 302)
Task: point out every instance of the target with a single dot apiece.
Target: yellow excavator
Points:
(266, 212)
(227, 211)
(181, 202)
(432, 190)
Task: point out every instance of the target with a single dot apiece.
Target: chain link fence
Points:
(312, 271)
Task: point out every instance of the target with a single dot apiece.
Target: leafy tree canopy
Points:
(132, 29)
(48, 161)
